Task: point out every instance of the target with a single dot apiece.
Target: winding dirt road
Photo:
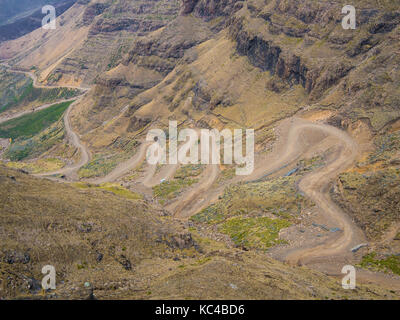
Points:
(36, 82)
(297, 137)
(193, 201)
(72, 136)
(152, 178)
(316, 187)
(7, 117)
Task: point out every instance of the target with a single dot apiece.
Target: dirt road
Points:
(8, 117)
(316, 187)
(36, 82)
(297, 138)
(72, 136)
(192, 202)
(152, 178)
(124, 167)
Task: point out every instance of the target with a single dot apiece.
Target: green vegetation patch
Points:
(39, 166)
(31, 124)
(386, 146)
(170, 189)
(37, 145)
(111, 187)
(370, 198)
(260, 233)
(11, 86)
(102, 164)
(278, 196)
(253, 213)
(184, 177)
(27, 94)
(191, 170)
(228, 173)
(390, 263)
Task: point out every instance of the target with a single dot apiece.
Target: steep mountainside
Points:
(124, 248)
(13, 10)
(26, 22)
(90, 38)
(290, 63)
(324, 103)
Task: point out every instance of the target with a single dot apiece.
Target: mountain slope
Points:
(13, 10)
(324, 103)
(29, 21)
(126, 249)
(90, 38)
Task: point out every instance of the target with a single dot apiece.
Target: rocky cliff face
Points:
(267, 56)
(92, 11)
(28, 21)
(301, 43)
(112, 27)
(210, 9)
(214, 54)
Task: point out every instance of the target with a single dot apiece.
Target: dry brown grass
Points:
(144, 255)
